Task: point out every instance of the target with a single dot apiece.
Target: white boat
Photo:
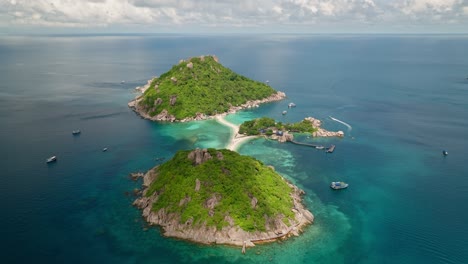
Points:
(76, 132)
(122, 82)
(338, 185)
(285, 112)
(104, 149)
(290, 105)
(51, 159)
(319, 147)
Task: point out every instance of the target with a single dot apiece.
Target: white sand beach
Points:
(236, 140)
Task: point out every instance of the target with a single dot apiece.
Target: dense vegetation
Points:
(235, 178)
(266, 125)
(201, 85)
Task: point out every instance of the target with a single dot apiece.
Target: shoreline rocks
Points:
(142, 89)
(166, 117)
(322, 132)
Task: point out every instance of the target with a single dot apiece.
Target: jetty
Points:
(304, 144)
(328, 150)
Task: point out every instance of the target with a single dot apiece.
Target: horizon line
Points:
(229, 33)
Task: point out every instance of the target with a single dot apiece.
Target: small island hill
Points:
(269, 128)
(220, 197)
(199, 88)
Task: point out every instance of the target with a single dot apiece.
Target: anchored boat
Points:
(76, 132)
(338, 185)
(51, 159)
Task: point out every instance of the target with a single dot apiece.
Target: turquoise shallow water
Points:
(405, 97)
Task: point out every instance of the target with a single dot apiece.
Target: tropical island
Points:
(269, 128)
(199, 88)
(214, 196)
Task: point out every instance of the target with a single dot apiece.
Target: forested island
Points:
(266, 125)
(283, 131)
(198, 88)
(221, 197)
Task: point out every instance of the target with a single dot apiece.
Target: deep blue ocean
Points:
(405, 98)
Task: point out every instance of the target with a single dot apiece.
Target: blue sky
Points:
(240, 16)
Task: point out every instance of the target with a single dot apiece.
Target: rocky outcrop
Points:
(212, 202)
(322, 132)
(136, 175)
(142, 89)
(219, 155)
(164, 116)
(144, 112)
(199, 156)
(173, 100)
(148, 177)
(158, 101)
(197, 185)
(313, 121)
(286, 137)
(256, 103)
(253, 202)
(197, 117)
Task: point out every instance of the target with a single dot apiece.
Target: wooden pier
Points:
(303, 144)
(328, 150)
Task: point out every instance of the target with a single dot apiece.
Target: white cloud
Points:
(227, 13)
(422, 6)
(278, 10)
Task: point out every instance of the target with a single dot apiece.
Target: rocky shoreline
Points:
(276, 229)
(164, 115)
(322, 132)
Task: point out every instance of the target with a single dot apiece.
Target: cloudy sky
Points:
(215, 16)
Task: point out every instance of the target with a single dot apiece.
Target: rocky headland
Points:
(316, 123)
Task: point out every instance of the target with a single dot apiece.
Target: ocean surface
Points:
(404, 97)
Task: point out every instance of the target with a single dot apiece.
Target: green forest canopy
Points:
(237, 179)
(266, 125)
(201, 85)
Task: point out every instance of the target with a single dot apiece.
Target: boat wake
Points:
(344, 123)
